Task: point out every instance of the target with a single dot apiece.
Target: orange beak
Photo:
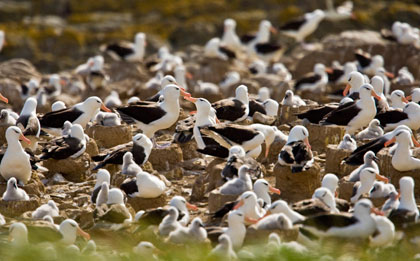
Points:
(193, 112)
(404, 99)
(377, 212)
(389, 75)
(409, 97)
(104, 108)
(389, 142)
(306, 141)
(4, 98)
(189, 75)
(273, 30)
(416, 143)
(381, 178)
(336, 194)
(346, 90)
(22, 137)
(217, 120)
(274, 190)
(83, 233)
(251, 220)
(267, 214)
(63, 82)
(191, 206)
(329, 70)
(240, 204)
(267, 150)
(375, 95)
(184, 92)
(191, 99)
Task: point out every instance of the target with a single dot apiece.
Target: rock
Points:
(3, 134)
(322, 135)
(258, 117)
(214, 170)
(165, 159)
(146, 203)
(218, 200)
(334, 161)
(83, 216)
(297, 186)
(112, 214)
(345, 188)
(254, 236)
(274, 152)
(386, 169)
(75, 170)
(189, 150)
(198, 188)
(175, 173)
(92, 148)
(287, 114)
(17, 208)
(209, 69)
(109, 136)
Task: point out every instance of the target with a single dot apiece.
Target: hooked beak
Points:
(104, 108)
(409, 98)
(274, 190)
(375, 95)
(389, 142)
(389, 75)
(189, 75)
(376, 159)
(404, 99)
(416, 143)
(251, 220)
(4, 98)
(306, 141)
(328, 70)
(191, 206)
(273, 30)
(83, 233)
(381, 178)
(240, 204)
(347, 89)
(22, 137)
(191, 99)
(377, 212)
(184, 92)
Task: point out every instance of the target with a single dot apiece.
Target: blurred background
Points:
(60, 34)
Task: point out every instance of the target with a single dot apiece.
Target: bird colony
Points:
(219, 148)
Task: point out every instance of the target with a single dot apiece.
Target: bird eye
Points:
(98, 101)
(16, 132)
(239, 214)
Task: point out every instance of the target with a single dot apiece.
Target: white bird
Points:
(391, 203)
(108, 119)
(370, 161)
(281, 206)
(274, 221)
(262, 189)
(115, 196)
(398, 100)
(13, 193)
(382, 190)
(15, 162)
(407, 199)
(263, 94)
(231, 79)
(386, 232)
(224, 250)
(348, 143)
(402, 160)
(212, 49)
(29, 124)
(307, 25)
(230, 39)
(146, 249)
(271, 107)
(58, 105)
(342, 12)
(326, 197)
(330, 181)
(112, 100)
(367, 179)
(102, 197)
(69, 229)
(373, 131)
(194, 233)
(292, 100)
(169, 222)
(249, 206)
(6, 119)
(132, 52)
(49, 209)
(129, 166)
(236, 229)
(149, 186)
(238, 185)
(282, 71)
(18, 234)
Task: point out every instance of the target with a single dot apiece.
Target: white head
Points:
(279, 206)
(18, 233)
(144, 248)
(197, 223)
(264, 31)
(412, 108)
(229, 24)
(55, 80)
(378, 61)
(325, 195)
(52, 204)
(370, 157)
(258, 67)
(98, 63)
(374, 124)
(261, 186)
(271, 107)
(319, 68)
(366, 92)
(355, 80)
(224, 241)
(363, 207)
(12, 184)
(166, 80)
(102, 176)
(58, 105)
(181, 204)
(241, 93)
(13, 134)
(115, 196)
(171, 92)
(128, 157)
(299, 133)
(378, 84)
(143, 141)
(69, 229)
(415, 95)
(29, 107)
(368, 176)
(263, 94)
(94, 103)
(140, 40)
(330, 181)
(243, 172)
(236, 217)
(407, 186)
(77, 132)
(398, 96)
(236, 150)
(288, 95)
(317, 15)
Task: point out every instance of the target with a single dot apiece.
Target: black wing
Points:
(255, 106)
(363, 58)
(293, 25)
(300, 152)
(229, 109)
(30, 125)
(316, 115)
(139, 154)
(326, 221)
(247, 38)
(388, 35)
(266, 48)
(56, 119)
(235, 133)
(143, 113)
(342, 115)
(335, 75)
(309, 79)
(62, 149)
(114, 157)
(119, 49)
(129, 187)
(390, 117)
(213, 148)
(229, 53)
(225, 209)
